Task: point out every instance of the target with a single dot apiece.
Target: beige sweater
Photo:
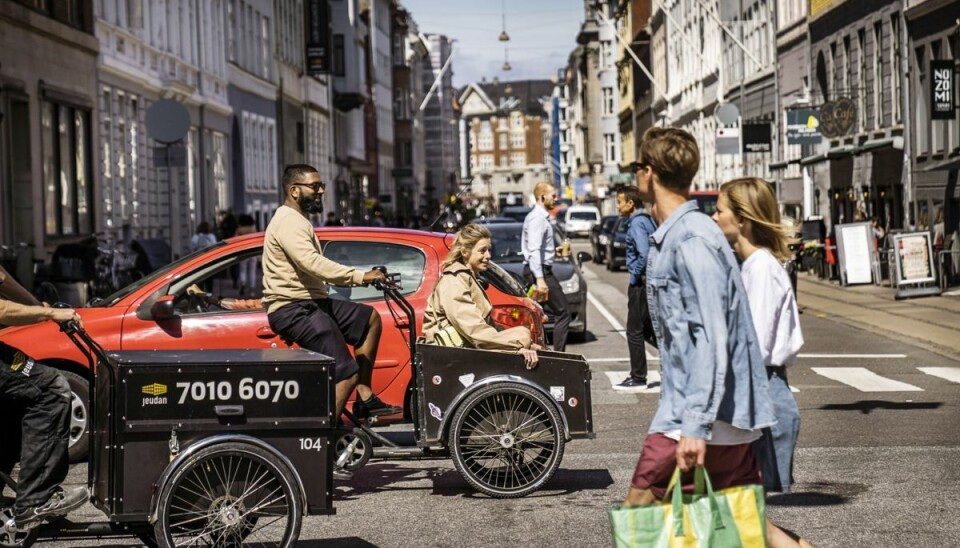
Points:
(294, 268)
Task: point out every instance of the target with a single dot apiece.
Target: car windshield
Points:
(581, 216)
(502, 280)
(149, 278)
(505, 243)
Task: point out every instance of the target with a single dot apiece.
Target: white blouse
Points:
(774, 308)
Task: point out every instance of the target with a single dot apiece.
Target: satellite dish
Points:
(167, 121)
(727, 113)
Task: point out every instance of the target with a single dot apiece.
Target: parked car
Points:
(616, 254)
(579, 220)
(517, 213)
(507, 253)
(600, 237)
(129, 319)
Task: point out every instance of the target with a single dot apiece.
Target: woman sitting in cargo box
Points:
(458, 311)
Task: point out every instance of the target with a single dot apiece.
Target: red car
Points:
(125, 320)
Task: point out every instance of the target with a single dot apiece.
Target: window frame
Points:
(80, 227)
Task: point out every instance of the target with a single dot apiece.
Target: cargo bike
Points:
(193, 448)
(505, 427)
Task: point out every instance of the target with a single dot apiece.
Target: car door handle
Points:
(265, 333)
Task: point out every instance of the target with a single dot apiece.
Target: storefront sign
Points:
(914, 257)
(803, 127)
(756, 138)
(855, 247)
(318, 37)
(943, 104)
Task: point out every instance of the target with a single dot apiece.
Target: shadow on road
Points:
(868, 406)
(818, 494)
(375, 478)
(342, 542)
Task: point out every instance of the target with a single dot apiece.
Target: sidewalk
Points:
(931, 322)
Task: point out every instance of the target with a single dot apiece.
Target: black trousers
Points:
(556, 304)
(41, 397)
(636, 312)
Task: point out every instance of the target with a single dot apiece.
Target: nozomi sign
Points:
(943, 105)
(318, 37)
(803, 126)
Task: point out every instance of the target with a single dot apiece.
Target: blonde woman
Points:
(748, 216)
(458, 300)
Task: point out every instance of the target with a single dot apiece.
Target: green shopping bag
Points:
(730, 518)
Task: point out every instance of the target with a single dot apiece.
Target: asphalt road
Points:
(878, 462)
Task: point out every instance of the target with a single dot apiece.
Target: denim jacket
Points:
(710, 363)
(640, 227)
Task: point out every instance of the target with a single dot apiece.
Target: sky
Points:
(542, 35)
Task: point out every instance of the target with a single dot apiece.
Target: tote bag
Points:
(729, 518)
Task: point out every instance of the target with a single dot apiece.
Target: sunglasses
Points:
(316, 187)
(638, 166)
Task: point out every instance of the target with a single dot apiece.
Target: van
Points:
(579, 220)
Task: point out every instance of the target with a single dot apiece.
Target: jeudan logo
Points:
(156, 390)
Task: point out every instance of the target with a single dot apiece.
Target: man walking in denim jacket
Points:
(713, 388)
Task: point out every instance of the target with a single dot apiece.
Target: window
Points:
(216, 279)
(877, 75)
(503, 141)
(609, 148)
(67, 175)
(517, 140)
(516, 120)
(338, 52)
(486, 162)
(862, 79)
(895, 64)
(265, 47)
(607, 101)
(923, 116)
(231, 30)
(408, 261)
(606, 54)
(504, 160)
(399, 56)
(518, 159)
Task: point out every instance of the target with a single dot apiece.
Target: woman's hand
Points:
(529, 357)
(535, 346)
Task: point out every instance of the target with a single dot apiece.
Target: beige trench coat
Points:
(459, 300)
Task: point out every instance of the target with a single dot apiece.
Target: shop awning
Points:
(778, 166)
(832, 154)
(874, 144)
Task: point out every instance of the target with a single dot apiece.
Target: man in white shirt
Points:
(539, 251)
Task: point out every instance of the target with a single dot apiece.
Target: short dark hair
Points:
(631, 193)
(673, 155)
(293, 173)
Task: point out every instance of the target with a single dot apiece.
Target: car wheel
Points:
(79, 416)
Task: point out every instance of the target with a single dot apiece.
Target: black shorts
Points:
(325, 326)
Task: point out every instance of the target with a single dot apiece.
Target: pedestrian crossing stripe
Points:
(864, 380)
(951, 374)
(859, 378)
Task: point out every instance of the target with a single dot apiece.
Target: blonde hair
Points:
(542, 188)
(672, 154)
(467, 238)
(752, 198)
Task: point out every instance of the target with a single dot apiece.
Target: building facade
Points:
(48, 124)
(441, 135)
(409, 50)
(509, 139)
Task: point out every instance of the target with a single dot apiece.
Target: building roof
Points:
(508, 96)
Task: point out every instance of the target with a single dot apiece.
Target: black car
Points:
(517, 213)
(600, 235)
(507, 253)
(616, 253)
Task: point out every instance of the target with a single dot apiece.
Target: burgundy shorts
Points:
(727, 465)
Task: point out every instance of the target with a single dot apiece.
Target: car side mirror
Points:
(583, 257)
(163, 310)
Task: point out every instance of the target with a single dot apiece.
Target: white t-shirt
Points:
(724, 433)
(774, 308)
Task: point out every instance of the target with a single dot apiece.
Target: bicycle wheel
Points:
(230, 494)
(354, 449)
(507, 440)
(10, 537)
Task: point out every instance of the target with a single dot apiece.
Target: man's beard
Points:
(310, 205)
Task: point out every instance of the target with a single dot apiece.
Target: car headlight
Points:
(572, 285)
(603, 239)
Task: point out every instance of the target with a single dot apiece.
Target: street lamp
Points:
(504, 37)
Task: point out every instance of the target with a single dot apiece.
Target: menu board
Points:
(914, 257)
(855, 249)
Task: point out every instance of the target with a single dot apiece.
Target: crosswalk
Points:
(859, 378)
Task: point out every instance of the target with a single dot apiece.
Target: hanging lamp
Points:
(504, 37)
